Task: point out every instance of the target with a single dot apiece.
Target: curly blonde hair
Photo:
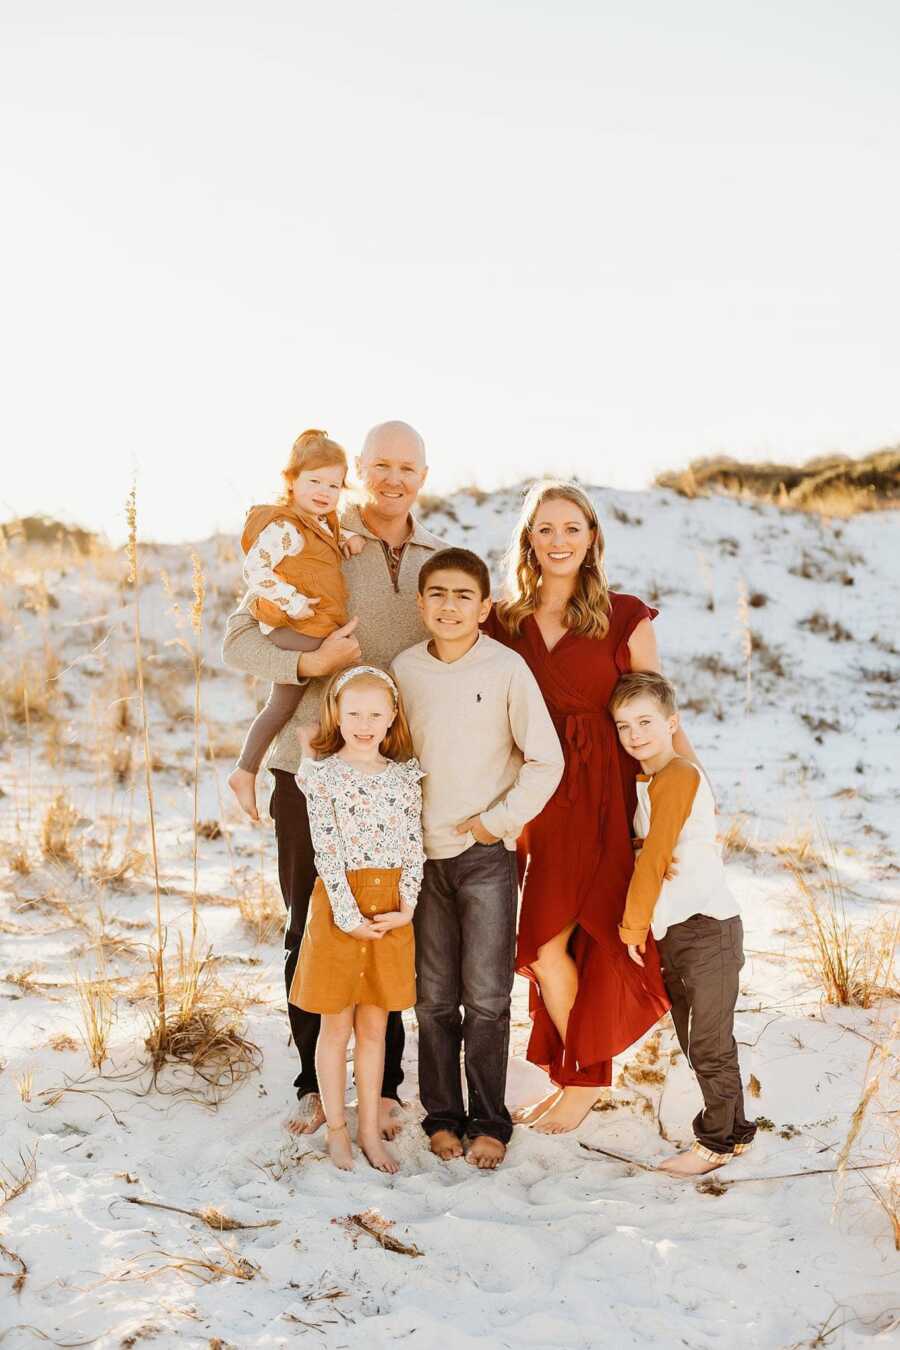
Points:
(397, 744)
(588, 609)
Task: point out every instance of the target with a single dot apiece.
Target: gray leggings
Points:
(280, 705)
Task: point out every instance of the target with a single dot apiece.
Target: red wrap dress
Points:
(576, 857)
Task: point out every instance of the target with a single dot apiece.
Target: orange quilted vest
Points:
(315, 570)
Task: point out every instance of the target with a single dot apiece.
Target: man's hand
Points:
(339, 650)
(474, 827)
(366, 932)
(636, 951)
(352, 545)
(395, 918)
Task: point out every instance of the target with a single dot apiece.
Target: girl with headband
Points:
(357, 958)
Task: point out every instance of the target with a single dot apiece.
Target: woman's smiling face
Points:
(560, 537)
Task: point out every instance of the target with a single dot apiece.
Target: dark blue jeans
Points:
(465, 924)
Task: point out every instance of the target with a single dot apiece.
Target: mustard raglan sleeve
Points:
(672, 794)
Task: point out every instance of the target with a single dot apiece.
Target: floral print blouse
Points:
(279, 540)
(362, 819)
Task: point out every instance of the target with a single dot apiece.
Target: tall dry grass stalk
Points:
(158, 963)
(854, 964)
(194, 651)
(882, 1081)
(743, 611)
(98, 1011)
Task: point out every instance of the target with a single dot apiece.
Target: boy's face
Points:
(452, 606)
(645, 730)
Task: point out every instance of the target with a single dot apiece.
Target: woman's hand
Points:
(395, 918)
(366, 932)
(474, 827)
(636, 951)
(339, 650)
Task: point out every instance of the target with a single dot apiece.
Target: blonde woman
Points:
(589, 1002)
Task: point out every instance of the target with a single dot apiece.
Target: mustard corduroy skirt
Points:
(336, 971)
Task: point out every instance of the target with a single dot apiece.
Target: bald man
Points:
(382, 582)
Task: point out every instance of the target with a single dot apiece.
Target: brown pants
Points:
(701, 961)
(280, 705)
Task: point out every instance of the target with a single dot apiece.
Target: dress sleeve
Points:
(635, 611)
(278, 540)
(313, 782)
(412, 852)
(672, 794)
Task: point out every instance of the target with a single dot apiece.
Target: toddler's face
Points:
(316, 491)
(452, 606)
(365, 715)
(644, 728)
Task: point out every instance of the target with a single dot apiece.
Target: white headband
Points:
(352, 673)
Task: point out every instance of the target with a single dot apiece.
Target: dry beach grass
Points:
(141, 971)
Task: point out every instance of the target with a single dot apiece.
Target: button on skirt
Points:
(336, 971)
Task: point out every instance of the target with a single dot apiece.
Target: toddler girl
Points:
(293, 552)
(357, 958)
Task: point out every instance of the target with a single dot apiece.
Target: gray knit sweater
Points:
(388, 623)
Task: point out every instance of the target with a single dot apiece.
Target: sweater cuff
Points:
(496, 821)
(633, 937)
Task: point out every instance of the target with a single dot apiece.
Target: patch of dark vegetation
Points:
(769, 658)
(830, 485)
(817, 622)
(46, 530)
(624, 518)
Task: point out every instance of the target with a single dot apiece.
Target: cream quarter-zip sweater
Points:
(388, 621)
(484, 737)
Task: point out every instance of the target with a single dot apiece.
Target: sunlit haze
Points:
(581, 238)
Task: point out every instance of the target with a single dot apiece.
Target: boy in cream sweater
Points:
(492, 758)
(693, 916)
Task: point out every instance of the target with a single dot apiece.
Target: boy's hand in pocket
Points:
(396, 918)
(474, 827)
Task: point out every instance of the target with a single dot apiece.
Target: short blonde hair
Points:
(312, 450)
(648, 682)
(397, 744)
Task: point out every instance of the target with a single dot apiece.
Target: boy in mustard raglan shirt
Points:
(693, 915)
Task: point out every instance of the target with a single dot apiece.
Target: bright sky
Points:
(592, 237)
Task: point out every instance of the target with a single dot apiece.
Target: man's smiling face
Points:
(392, 467)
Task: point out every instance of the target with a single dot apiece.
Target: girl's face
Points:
(560, 537)
(365, 715)
(316, 491)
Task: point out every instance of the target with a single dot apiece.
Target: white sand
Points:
(562, 1247)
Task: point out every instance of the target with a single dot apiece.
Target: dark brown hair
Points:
(457, 560)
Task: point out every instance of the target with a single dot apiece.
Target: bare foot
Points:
(527, 1115)
(378, 1156)
(570, 1110)
(340, 1150)
(689, 1164)
(446, 1145)
(308, 1117)
(485, 1152)
(390, 1121)
(243, 785)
